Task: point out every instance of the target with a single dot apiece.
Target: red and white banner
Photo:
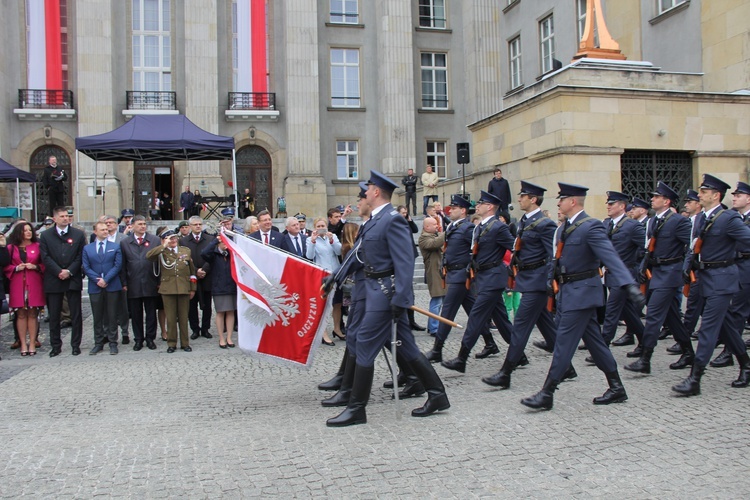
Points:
(252, 67)
(280, 312)
(45, 45)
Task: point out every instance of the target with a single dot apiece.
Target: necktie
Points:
(62, 234)
(197, 238)
(101, 248)
(265, 238)
(564, 234)
(611, 226)
(140, 241)
(296, 246)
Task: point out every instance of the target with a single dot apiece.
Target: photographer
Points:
(324, 248)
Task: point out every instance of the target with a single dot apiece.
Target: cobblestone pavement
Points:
(216, 423)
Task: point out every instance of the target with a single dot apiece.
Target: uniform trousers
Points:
(353, 322)
(734, 321)
(176, 309)
(456, 296)
(105, 307)
(663, 310)
(572, 326)
(488, 305)
(376, 330)
(618, 306)
(693, 308)
(531, 311)
(202, 298)
(714, 313)
(54, 304)
(137, 306)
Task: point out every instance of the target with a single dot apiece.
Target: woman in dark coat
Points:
(197, 203)
(223, 289)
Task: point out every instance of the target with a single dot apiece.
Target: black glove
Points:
(686, 277)
(550, 289)
(327, 285)
(635, 296)
(396, 312)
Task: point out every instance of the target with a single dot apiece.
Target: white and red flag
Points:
(280, 312)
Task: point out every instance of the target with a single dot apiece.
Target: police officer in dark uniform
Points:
(531, 260)
(456, 260)
(490, 240)
(581, 244)
(671, 233)
(385, 252)
(713, 259)
(628, 238)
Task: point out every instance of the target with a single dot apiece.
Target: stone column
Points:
(396, 86)
(304, 185)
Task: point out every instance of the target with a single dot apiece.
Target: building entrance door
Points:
(254, 172)
(152, 177)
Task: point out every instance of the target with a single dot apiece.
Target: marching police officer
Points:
(713, 259)
(490, 240)
(532, 257)
(177, 286)
(668, 237)
(581, 244)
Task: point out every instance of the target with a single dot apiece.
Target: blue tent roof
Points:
(9, 173)
(157, 137)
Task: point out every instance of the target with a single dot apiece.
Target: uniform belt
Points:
(378, 274)
(715, 264)
(655, 261)
(489, 265)
(533, 265)
(455, 267)
(743, 256)
(568, 278)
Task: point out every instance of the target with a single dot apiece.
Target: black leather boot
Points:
(616, 392)
(355, 411)
(490, 348)
(687, 358)
(523, 361)
(413, 324)
(502, 378)
(388, 384)
(643, 364)
(334, 384)
(626, 339)
(542, 344)
(437, 399)
(744, 379)
(570, 374)
(435, 355)
(458, 364)
(723, 359)
(542, 400)
(636, 353)
(691, 386)
(675, 348)
(341, 398)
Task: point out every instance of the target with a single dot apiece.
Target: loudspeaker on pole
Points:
(462, 152)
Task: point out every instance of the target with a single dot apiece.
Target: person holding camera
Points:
(324, 248)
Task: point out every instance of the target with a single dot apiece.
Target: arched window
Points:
(39, 160)
(254, 172)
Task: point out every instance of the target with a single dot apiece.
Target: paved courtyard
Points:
(216, 423)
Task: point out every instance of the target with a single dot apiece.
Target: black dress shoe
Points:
(206, 334)
(626, 339)
(150, 344)
(583, 347)
(195, 335)
(170, 350)
(488, 351)
(685, 361)
(570, 374)
(125, 340)
(664, 333)
(542, 344)
(694, 336)
(76, 351)
(524, 361)
(590, 359)
(54, 352)
(417, 328)
(675, 348)
(635, 353)
(138, 346)
(722, 360)
(96, 349)
(66, 324)
(113, 349)
(187, 349)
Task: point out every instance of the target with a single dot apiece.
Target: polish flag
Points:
(280, 311)
(45, 45)
(252, 43)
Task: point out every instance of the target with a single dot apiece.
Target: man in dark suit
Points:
(721, 230)
(410, 191)
(581, 244)
(102, 262)
(668, 234)
(54, 179)
(387, 256)
(490, 240)
(456, 260)
(186, 202)
(293, 241)
(139, 282)
(500, 189)
(61, 248)
(196, 241)
(531, 261)
(266, 234)
(337, 218)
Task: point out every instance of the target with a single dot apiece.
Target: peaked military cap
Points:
(459, 201)
(128, 212)
(711, 182)
(568, 190)
(639, 203)
(742, 188)
(531, 189)
(613, 196)
(662, 189)
(381, 181)
(485, 197)
(362, 189)
(691, 195)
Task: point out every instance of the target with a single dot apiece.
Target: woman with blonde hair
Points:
(251, 225)
(324, 248)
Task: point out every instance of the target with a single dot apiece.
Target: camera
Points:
(321, 232)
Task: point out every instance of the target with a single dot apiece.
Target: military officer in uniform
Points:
(721, 230)
(581, 244)
(386, 254)
(628, 238)
(490, 240)
(456, 260)
(177, 286)
(531, 260)
(668, 236)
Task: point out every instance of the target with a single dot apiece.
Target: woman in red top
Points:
(26, 293)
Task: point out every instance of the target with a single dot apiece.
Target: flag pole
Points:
(394, 368)
(436, 317)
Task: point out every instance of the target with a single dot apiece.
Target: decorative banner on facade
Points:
(280, 313)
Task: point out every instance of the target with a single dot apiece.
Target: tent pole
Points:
(78, 194)
(96, 172)
(18, 199)
(235, 187)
